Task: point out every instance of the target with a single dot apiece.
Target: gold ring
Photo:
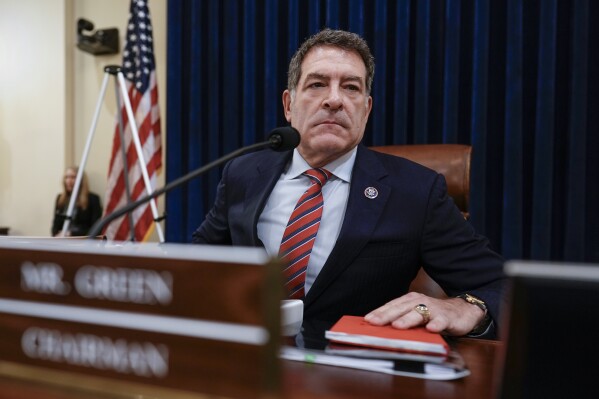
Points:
(423, 311)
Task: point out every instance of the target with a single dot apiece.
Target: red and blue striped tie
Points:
(300, 233)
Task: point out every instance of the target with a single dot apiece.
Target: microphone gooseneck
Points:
(280, 139)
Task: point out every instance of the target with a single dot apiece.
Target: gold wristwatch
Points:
(484, 323)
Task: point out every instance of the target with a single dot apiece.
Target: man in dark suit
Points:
(366, 221)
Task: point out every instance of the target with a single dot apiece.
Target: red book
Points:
(355, 330)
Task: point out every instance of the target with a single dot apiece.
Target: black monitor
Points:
(551, 331)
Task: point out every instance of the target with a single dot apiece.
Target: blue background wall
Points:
(516, 79)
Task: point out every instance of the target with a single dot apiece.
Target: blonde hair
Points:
(82, 198)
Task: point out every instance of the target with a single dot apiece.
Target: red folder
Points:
(355, 330)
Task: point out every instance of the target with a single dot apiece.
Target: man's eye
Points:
(316, 84)
(352, 88)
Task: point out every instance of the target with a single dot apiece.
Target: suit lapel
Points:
(361, 218)
(260, 184)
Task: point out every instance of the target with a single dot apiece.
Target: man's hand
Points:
(453, 316)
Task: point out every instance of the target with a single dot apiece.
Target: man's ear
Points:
(368, 105)
(287, 105)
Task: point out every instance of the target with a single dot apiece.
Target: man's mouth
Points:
(330, 122)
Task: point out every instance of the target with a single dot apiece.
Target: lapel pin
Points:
(371, 193)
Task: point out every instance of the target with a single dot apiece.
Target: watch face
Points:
(475, 301)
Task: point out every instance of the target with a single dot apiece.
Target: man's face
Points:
(330, 107)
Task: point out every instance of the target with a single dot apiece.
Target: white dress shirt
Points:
(283, 198)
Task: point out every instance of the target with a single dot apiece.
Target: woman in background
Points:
(87, 207)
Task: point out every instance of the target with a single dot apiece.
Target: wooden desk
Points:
(303, 381)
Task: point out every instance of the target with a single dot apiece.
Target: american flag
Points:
(139, 70)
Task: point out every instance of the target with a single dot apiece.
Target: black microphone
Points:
(284, 138)
(280, 139)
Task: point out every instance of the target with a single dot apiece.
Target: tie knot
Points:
(318, 175)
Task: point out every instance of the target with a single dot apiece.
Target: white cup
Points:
(292, 316)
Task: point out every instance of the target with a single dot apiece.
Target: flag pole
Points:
(113, 70)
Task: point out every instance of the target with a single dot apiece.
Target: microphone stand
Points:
(99, 225)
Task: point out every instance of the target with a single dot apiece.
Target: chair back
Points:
(453, 162)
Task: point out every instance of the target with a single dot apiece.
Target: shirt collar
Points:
(341, 167)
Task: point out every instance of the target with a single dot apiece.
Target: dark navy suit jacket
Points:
(383, 241)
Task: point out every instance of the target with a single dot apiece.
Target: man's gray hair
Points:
(328, 37)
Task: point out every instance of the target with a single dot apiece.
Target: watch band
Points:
(486, 320)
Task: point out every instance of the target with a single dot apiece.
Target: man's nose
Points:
(333, 100)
